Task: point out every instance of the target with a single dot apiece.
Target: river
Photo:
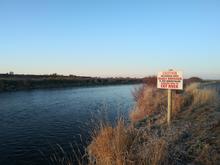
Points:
(34, 122)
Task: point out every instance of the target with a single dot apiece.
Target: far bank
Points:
(14, 82)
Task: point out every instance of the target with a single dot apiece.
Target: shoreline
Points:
(10, 83)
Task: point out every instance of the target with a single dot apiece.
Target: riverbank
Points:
(10, 82)
(192, 138)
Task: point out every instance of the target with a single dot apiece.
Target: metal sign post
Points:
(170, 80)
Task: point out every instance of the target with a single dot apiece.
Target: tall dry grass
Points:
(151, 101)
(201, 95)
(123, 145)
(110, 145)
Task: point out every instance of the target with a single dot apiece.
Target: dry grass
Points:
(61, 157)
(123, 145)
(151, 101)
(200, 95)
(208, 155)
(191, 138)
(110, 145)
(156, 152)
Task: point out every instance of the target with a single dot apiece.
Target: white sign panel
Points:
(170, 80)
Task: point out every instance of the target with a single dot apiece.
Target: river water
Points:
(32, 123)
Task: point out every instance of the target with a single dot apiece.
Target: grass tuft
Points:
(110, 145)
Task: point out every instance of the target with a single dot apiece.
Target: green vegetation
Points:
(10, 82)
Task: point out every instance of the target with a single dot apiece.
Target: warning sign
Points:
(170, 80)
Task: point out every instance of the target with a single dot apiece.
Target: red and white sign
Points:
(170, 80)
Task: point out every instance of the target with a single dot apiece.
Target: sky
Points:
(110, 38)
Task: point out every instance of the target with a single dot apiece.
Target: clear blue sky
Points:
(110, 37)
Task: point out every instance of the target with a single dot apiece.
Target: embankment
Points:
(192, 138)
